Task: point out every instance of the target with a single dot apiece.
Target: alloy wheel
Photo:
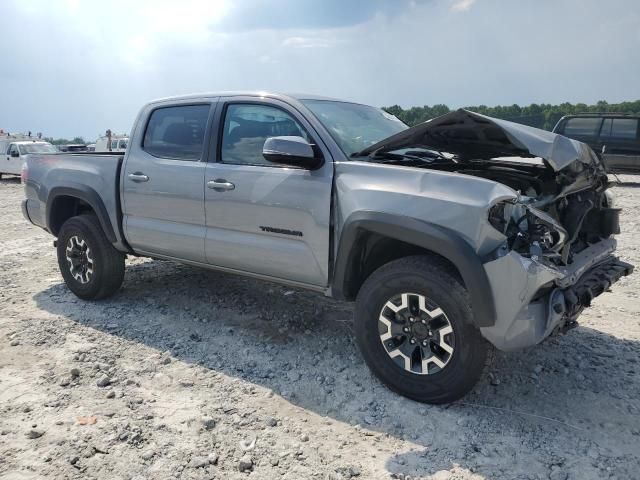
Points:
(80, 261)
(416, 333)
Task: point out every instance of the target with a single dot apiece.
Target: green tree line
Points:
(543, 115)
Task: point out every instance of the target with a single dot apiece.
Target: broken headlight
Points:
(545, 230)
(502, 214)
(529, 231)
(497, 217)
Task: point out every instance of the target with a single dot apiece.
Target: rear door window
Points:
(177, 132)
(624, 128)
(582, 127)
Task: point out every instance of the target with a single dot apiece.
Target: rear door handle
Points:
(138, 177)
(220, 185)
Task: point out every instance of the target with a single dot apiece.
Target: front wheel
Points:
(413, 324)
(91, 267)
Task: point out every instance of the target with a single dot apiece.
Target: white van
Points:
(118, 143)
(13, 153)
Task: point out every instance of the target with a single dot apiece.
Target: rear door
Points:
(621, 137)
(261, 217)
(163, 180)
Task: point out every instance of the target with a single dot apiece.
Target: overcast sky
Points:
(78, 67)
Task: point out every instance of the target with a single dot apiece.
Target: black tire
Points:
(107, 263)
(429, 277)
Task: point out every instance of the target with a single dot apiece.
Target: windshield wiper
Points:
(427, 156)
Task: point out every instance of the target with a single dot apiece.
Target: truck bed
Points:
(96, 176)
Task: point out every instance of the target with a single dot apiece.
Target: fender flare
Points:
(432, 237)
(87, 195)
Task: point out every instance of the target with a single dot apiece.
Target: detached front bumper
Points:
(533, 299)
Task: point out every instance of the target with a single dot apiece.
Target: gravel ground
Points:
(193, 374)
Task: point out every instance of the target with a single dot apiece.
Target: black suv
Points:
(619, 135)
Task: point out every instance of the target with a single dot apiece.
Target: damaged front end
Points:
(557, 255)
(550, 267)
(558, 245)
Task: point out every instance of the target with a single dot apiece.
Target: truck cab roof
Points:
(249, 93)
(602, 114)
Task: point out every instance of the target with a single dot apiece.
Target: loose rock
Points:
(104, 381)
(248, 445)
(33, 434)
(198, 462)
(245, 464)
(208, 423)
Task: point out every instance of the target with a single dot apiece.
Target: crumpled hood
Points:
(470, 135)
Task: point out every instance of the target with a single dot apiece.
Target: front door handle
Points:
(138, 177)
(220, 185)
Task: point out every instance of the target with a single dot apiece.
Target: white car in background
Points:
(13, 154)
(118, 143)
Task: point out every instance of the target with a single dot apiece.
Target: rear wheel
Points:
(415, 329)
(91, 267)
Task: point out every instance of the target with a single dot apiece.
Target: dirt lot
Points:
(193, 374)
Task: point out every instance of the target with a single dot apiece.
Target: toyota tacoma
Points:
(454, 236)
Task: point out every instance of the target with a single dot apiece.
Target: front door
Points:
(13, 163)
(261, 217)
(163, 182)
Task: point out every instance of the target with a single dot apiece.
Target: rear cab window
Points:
(177, 132)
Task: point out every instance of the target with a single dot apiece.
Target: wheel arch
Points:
(65, 202)
(371, 239)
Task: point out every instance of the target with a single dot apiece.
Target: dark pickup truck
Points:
(616, 136)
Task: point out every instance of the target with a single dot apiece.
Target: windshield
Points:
(354, 127)
(37, 148)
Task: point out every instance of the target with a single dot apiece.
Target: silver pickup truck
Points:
(453, 236)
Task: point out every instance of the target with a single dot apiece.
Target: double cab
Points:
(455, 236)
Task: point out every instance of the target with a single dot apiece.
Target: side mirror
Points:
(293, 151)
(15, 153)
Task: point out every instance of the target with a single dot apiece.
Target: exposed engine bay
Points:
(556, 215)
